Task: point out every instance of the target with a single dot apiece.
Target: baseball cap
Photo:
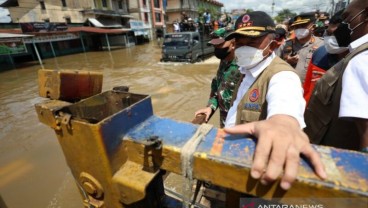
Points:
(218, 36)
(253, 24)
(304, 18)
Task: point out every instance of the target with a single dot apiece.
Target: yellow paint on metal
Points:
(68, 85)
(132, 181)
(85, 152)
(47, 112)
(206, 168)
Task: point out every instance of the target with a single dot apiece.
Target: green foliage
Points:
(248, 10)
(284, 14)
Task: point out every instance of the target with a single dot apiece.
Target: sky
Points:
(296, 6)
(4, 14)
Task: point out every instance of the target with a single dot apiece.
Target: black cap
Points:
(280, 32)
(304, 18)
(253, 24)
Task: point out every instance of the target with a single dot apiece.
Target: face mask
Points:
(352, 19)
(342, 35)
(301, 33)
(343, 32)
(248, 57)
(331, 45)
(222, 53)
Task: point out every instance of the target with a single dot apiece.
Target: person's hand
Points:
(206, 111)
(280, 143)
(292, 60)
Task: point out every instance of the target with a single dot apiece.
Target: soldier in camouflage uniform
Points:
(228, 75)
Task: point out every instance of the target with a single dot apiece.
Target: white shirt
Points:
(284, 95)
(354, 95)
(176, 27)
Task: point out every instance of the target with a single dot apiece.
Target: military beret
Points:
(218, 36)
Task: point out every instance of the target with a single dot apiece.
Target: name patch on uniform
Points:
(254, 95)
(252, 106)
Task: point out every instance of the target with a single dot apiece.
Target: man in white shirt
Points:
(176, 27)
(269, 103)
(345, 115)
(354, 97)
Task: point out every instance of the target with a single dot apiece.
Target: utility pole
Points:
(332, 8)
(273, 5)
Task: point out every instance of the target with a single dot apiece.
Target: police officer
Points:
(269, 103)
(337, 113)
(298, 51)
(226, 78)
(324, 57)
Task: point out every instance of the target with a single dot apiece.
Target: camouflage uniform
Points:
(222, 88)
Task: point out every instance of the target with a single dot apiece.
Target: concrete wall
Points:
(173, 4)
(30, 11)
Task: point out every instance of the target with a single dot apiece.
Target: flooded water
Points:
(33, 171)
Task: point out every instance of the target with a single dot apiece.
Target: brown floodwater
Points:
(33, 171)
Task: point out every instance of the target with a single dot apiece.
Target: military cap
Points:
(253, 24)
(280, 32)
(303, 18)
(218, 36)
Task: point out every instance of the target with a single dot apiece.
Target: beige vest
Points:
(253, 106)
(322, 113)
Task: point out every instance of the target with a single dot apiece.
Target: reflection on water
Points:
(33, 172)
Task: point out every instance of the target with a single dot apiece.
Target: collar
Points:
(258, 69)
(311, 41)
(228, 63)
(358, 42)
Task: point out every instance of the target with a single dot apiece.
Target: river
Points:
(33, 171)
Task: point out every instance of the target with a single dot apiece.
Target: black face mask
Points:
(342, 34)
(222, 53)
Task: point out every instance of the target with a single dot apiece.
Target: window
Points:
(120, 4)
(68, 20)
(157, 3)
(158, 17)
(104, 3)
(144, 3)
(146, 17)
(63, 2)
(42, 4)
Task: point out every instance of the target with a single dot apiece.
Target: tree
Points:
(284, 14)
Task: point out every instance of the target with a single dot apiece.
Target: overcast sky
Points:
(4, 14)
(296, 6)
